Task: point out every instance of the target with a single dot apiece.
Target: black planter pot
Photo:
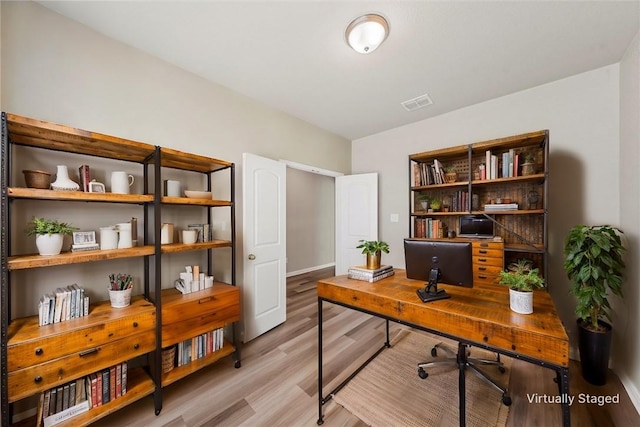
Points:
(594, 348)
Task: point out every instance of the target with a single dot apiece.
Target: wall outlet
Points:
(394, 217)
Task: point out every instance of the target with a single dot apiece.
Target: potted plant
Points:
(593, 262)
(49, 234)
(373, 249)
(522, 279)
(529, 166)
(450, 174)
(435, 204)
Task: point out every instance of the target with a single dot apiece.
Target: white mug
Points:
(108, 238)
(120, 182)
(172, 188)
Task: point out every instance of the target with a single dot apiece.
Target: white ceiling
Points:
(292, 55)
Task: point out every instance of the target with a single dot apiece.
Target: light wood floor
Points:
(277, 383)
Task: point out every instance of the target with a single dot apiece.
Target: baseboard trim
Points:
(632, 390)
(310, 269)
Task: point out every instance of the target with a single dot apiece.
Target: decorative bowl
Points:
(197, 194)
(37, 179)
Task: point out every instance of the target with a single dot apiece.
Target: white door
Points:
(264, 244)
(356, 217)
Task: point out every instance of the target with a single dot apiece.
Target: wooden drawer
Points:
(487, 261)
(43, 376)
(487, 270)
(487, 253)
(489, 279)
(190, 327)
(218, 304)
(41, 344)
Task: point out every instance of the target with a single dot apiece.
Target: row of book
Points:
(68, 400)
(505, 165)
(429, 228)
(428, 174)
(62, 304)
(369, 275)
(199, 346)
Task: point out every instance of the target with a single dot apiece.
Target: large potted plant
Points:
(49, 234)
(593, 262)
(522, 279)
(373, 249)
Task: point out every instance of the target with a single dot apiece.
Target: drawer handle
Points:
(484, 245)
(482, 277)
(37, 379)
(203, 300)
(482, 268)
(136, 346)
(482, 259)
(135, 324)
(39, 351)
(482, 251)
(89, 352)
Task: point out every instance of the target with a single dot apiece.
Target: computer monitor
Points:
(438, 261)
(478, 226)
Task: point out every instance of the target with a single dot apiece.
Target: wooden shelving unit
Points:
(523, 231)
(106, 336)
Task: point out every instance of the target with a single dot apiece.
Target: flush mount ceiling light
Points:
(365, 33)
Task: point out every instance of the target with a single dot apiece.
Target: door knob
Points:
(252, 257)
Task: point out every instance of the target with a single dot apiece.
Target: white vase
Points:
(63, 182)
(521, 302)
(49, 244)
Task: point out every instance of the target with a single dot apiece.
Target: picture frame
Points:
(84, 237)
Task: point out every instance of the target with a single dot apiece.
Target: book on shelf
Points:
(81, 247)
(501, 207)
(85, 177)
(68, 413)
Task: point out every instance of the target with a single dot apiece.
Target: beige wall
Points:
(310, 221)
(582, 115)
(627, 317)
(57, 70)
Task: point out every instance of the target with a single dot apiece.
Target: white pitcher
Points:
(120, 182)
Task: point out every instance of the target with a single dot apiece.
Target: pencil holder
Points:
(120, 299)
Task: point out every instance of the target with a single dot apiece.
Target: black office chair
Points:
(469, 362)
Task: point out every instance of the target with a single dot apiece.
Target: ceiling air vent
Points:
(417, 103)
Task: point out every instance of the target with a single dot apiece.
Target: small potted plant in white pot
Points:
(522, 279)
(373, 249)
(49, 234)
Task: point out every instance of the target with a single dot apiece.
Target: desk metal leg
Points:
(320, 398)
(564, 392)
(462, 365)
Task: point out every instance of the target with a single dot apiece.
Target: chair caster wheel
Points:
(422, 373)
(501, 369)
(506, 400)
(434, 352)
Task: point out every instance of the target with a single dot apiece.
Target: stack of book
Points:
(501, 207)
(363, 273)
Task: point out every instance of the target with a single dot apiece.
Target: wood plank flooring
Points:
(277, 383)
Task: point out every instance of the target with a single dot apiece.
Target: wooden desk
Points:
(479, 316)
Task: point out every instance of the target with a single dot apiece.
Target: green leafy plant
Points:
(48, 226)
(422, 197)
(372, 247)
(528, 158)
(449, 169)
(594, 264)
(521, 276)
(435, 203)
